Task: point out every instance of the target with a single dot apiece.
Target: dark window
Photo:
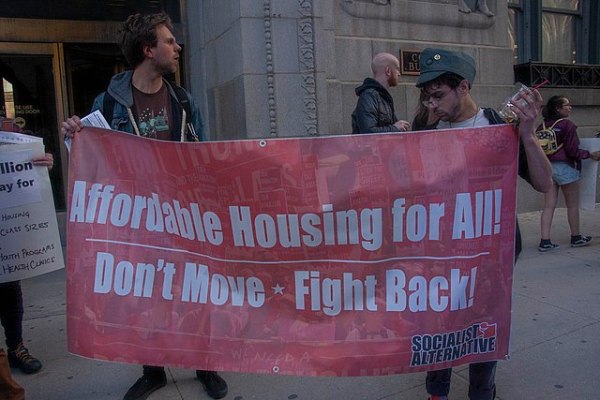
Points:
(87, 10)
(86, 60)
(560, 21)
(554, 31)
(27, 95)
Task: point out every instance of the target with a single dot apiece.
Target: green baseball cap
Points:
(436, 62)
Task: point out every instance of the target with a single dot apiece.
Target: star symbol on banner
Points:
(278, 289)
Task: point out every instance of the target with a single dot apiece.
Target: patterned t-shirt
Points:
(153, 113)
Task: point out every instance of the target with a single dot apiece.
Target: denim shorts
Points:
(563, 173)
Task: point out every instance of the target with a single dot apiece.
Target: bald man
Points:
(374, 112)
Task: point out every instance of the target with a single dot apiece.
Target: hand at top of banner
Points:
(47, 160)
(402, 125)
(70, 126)
(68, 129)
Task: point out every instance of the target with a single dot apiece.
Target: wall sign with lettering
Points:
(409, 62)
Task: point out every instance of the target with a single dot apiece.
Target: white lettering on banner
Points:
(439, 294)
(328, 294)
(418, 223)
(312, 291)
(346, 227)
(124, 277)
(100, 205)
(198, 284)
(484, 220)
(475, 215)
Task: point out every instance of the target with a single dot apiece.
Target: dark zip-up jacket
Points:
(374, 112)
(122, 116)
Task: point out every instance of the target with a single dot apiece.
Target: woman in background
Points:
(566, 171)
(424, 119)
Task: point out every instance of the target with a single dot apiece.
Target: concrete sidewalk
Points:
(555, 340)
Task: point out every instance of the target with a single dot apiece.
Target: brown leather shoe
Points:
(20, 358)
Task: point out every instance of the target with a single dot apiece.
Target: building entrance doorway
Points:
(43, 83)
(89, 68)
(30, 94)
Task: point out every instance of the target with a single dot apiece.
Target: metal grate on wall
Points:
(558, 75)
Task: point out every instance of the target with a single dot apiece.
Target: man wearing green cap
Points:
(445, 79)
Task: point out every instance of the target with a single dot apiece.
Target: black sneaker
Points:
(20, 358)
(580, 240)
(144, 386)
(546, 245)
(215, 386)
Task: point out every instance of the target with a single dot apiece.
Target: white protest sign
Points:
(17, 138)
(589, 175)
(29, 239)
(18, 179)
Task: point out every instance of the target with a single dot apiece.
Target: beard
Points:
(166, 68)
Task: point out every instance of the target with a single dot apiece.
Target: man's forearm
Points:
(540, 169)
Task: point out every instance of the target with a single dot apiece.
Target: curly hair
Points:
(139, 31)
(550, 110)
(448, 78)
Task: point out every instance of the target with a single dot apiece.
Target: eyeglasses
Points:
(435, 99)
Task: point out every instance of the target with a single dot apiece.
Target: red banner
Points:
(339, 255)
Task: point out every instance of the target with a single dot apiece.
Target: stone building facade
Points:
(289, 67)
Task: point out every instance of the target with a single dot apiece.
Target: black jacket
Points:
(374, 112)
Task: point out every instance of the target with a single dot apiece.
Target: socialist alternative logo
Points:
(438, 348)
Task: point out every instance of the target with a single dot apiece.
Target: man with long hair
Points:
(142, 102)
